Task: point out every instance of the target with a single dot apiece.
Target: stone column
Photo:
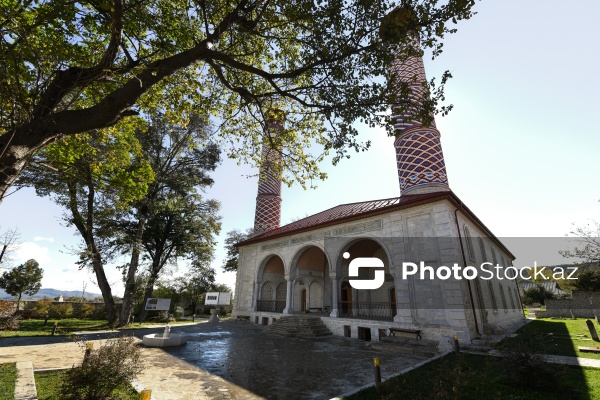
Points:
(289, 297)
(404, 304)
(256, 294)
(335, 313)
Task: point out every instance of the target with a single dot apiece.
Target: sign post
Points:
(155, 304)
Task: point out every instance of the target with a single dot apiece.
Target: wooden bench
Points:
(415, 331)
(242, 318)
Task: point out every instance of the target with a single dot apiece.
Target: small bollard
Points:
(377, 375)
(456, 346)
(145, 394)
(55, 327)
(88, 350)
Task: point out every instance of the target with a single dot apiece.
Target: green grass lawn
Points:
(48, 387)
(475, 377)
(563, 336)
(8, 376)
(36, 327)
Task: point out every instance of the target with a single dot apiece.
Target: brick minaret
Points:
(268, 201)
(419, 157)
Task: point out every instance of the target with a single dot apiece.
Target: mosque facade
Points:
(305, 267)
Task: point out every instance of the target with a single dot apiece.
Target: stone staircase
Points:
(297, 326)
(405, 345)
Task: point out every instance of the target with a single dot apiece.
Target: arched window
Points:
(469, 241)
(503, 298)
(482, 250)
(492, 296)
(512, 299)
(494, 259)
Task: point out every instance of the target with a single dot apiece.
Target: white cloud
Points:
(43, 239)
(29, 250)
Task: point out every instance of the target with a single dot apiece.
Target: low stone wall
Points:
(581, 305)
(565, 313)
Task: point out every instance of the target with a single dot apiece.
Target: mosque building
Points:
(304, 268)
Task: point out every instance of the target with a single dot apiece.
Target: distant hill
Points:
(52, 293)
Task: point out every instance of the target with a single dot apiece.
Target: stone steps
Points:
(293, 326)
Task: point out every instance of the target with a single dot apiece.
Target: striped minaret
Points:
(268, 201)
(419, 157)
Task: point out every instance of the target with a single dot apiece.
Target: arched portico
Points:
(377, 304)
(311, 286)
(271, 285)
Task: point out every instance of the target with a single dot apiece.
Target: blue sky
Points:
(521, 145)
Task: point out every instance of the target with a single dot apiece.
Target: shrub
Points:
(6, 308)
(63, 310)
(99, 312)
(537, 294)
(40, 308)
(86, 310)
(10, 323)
(113, 365)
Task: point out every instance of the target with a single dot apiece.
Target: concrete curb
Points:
(25, 384)
(385, 378)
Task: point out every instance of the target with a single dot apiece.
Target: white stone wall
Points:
(316, 295)
(439, 308)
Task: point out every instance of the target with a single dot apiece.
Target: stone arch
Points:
(270, 279)
(375, 244)
(302, 250)
(269, 262)
(366, 304)
(310, 266)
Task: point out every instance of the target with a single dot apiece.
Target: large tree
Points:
(26, 278)
(71, 66)
(194, 285)
(184, 228)
(94, 177)
(230, 263)
(171, 220)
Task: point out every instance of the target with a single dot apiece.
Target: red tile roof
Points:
(353, 211)
(346, 212)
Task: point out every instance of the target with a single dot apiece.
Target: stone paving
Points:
(232, 360)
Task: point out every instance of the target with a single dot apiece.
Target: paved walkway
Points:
(232, 360)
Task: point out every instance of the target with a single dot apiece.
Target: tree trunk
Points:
(129, 294)
(85, 228)
(109, 302)
(18, 303)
